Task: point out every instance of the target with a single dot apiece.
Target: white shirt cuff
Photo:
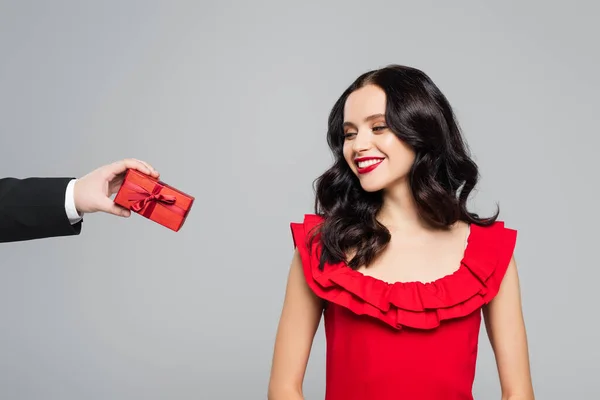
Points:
(70, 209)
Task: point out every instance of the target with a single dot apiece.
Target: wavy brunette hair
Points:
(441, 177)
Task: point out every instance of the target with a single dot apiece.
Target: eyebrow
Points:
(369, 118)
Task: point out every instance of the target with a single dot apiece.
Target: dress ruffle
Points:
(412, 304)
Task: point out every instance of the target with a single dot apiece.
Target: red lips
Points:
(370, 167)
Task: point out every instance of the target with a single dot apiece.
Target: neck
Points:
(399, 210)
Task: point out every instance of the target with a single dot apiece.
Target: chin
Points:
(372, 186)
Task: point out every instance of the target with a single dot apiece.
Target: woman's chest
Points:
(416, 261)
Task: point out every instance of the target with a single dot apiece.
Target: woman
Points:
(400, 268)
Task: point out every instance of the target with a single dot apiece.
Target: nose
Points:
(362, 141)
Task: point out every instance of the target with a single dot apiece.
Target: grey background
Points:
(229, 102)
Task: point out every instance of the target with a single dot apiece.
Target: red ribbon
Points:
(146, 201)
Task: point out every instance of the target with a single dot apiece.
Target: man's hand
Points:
(92, 192)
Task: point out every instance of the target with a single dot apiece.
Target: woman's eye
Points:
(348, 135)
(379, 128)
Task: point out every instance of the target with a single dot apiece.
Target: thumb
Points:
(110, 207)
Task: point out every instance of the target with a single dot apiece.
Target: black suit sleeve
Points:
(34, 208)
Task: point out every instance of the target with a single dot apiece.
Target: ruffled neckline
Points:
(414, 304)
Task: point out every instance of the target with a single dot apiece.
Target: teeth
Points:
(365, 164)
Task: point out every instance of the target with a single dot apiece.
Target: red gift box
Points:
(154, 199)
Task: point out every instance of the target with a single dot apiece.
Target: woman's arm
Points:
(297, 327)
(506, 331)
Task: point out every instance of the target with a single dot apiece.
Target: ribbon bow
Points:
(155, 196)
(146, 201)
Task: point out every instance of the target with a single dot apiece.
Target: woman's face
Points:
(374, 153)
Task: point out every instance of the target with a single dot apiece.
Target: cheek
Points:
(401, 154)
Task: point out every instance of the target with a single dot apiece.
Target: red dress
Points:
(405, 340)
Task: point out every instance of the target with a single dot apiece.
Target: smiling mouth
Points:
(365, 165)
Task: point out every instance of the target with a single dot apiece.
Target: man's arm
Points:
(35, 208)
